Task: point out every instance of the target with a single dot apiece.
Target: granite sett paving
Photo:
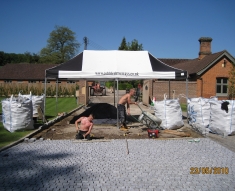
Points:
(150, 165)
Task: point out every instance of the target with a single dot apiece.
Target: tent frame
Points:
(73, 68)
(117, 82)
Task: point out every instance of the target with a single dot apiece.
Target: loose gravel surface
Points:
(150, 165)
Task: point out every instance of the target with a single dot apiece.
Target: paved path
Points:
(150, 165)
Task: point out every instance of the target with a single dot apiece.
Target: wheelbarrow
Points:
(149, 120)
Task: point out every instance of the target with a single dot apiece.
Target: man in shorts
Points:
(126, 99)
(85, 127)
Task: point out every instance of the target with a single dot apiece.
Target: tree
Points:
(133, 45)
(61, 46)
(123, 45)
(231, 83)
(27, 57)
(2, 58)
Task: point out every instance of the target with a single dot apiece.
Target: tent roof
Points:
(115, 64)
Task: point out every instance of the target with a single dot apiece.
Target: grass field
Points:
(184, 107)
(64, 105)
(6, 137)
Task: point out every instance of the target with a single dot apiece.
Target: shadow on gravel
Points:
(33, 170)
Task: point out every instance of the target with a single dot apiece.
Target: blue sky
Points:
(167, 29)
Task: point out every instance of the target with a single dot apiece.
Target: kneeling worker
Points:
(85, 127)
(126, 99)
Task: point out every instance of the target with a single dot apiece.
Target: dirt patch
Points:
(108, 112)
(64, 130)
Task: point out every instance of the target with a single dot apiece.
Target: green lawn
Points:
(6, 137)
(64, 105)
(183, 107)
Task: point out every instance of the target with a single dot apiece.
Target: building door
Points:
(146, 92)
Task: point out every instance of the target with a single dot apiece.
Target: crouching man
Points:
(85, 127)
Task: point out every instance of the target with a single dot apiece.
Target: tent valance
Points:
(115, 64)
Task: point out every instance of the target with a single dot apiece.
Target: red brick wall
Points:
(208, 82)
(205, 47)
(162, 87)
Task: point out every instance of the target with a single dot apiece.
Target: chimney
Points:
(205, 47)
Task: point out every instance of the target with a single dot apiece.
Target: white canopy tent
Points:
(114, 65)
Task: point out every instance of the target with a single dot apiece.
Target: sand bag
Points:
(222, 120)
(17, 114)
(169, 111)
(199, 113)
(37, 101)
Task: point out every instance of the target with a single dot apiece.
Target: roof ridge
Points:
(176, 58)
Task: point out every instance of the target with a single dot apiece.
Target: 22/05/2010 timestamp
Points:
(209, 170)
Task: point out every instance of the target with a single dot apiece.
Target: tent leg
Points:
(45, 95)
(187, 87)
(117, 105)
(169, 85)
(187, 96)
(56, 109)
(114, 94)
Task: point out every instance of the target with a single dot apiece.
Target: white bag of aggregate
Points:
(169, 111)
(37, 101)
(200, 128)
(199, 113)
(222, 121)
(17, 114)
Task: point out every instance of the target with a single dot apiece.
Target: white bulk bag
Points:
(199, 113)
(17, 114)
(222, 122)
(169, 111)
(37, 101)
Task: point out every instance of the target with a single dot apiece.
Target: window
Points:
(71, 82)
(32, 81)
(221, 86)
(7, 81)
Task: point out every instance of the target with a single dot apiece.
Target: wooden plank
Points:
(177, 133)
(91, 141)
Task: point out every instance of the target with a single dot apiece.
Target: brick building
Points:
(24, 73)
(207, 75)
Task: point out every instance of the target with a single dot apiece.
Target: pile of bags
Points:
(17, 112)
(37, 101)
(199, 113)
(205, 115)
(222, 117)
(212, 115)
(169, 111)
